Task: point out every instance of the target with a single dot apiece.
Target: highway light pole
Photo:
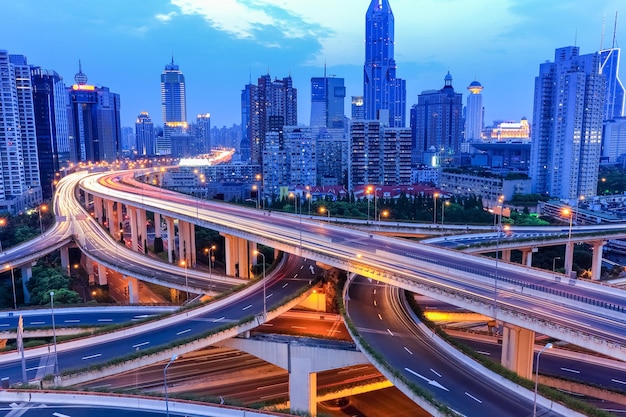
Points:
(210, 261)
(548, 346)
(13, 284)
(184, 264)
(554, 262)
(256, 252)
(435, 195)
(325, 210)
(43, 207)
(569, 261)
(167, 405)
(54, 336)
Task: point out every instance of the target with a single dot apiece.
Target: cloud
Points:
(165, 17)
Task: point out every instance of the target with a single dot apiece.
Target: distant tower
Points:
(203, 133)
(327, 103)
(567, 125)
(358, 110)
(381, 89)
(474, 112)
(173, 100)
(144, 135)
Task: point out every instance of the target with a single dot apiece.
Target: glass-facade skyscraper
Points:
(173, 101)
(327, 102)
(383, 93)
(609, 67)
(144, 135)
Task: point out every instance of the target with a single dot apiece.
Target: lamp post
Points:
(257, 253)
(256, 188)
(554, 262)
(325, 210)
(167, 405)
(209, 252)
(3, 223)
(54, 336)
(569, 260)
(548, 346)
(43, 207)
(435, 195)
(447, 203)
(259, 177)
(184, 264)
(383, 213)
(13, 284)
(368, 191)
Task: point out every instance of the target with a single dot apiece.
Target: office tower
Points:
(437, 124)
(20, 185)
(144, 135)
(381, 89)
(614, 92)
(474, 112)
(94, 121)
(379, 154)
(173, 101)
(261, 101)
(567, 125)
(50, 107)
(358, 109)
(614, 140)
(203, 133)
(327, 102)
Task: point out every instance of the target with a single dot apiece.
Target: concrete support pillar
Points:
(110, 218)
(157, 225)
(27, 274)
(253, 259)
(596, 263)
(527, 256)
(517, 350)
(89, 269)
(102, 275)
(506, 255)
(569, 258)
(132, 219)
(133, 290)
(244, 258)
(97, 209)
(142, 230)
(65, 258)
(86, 199)
(171, 231)
(230, 254)
(302, 385)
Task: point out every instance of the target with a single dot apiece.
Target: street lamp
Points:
(43, 207)
(54, 336)
(209, 253)
(569, 253)
(548, 346)
(3, 223)
(554, 262)
(295, 202)
(184, 264)
(258, 178)
(447, 203)
(383, 213)
(13, 283)
(256, 189)
(257, 253)
(167, 406)
(368, 191)
(435, 195)
(327, 211)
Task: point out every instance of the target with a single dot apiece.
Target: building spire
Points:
(80, 78)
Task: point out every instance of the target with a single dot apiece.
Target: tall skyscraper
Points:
(173, 101)
(567, 125)
(20, 185)
(358, 110)
(381, 89)
(203, 133)
(262, 101)
(327, 103)
(50, 106)
(474, 112)
(144, 135)
(614, 92)
(438, 123)
(95, 133)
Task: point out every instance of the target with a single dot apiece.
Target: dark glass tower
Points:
(609, 66)
(382, 91)
(327, 102)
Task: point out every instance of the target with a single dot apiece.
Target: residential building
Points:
(567, 125)
(381, 89)
(203, 133)
(484, 184)
(145, 135)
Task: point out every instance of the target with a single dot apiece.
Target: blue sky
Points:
(124, 45)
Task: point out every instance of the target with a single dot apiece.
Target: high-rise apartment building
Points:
(437, 124)
(145, 135)
(50, 106)
(20, 185)
(203, 133)
(378, 154)
(327, 103)
(474, 112)
(358, 109)
(173, 102)
(381, 89)
(302, 157)
(95, 133)
(567, 125)
(614, 91)
(262, 101)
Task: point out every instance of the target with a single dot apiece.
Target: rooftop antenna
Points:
(614, 30)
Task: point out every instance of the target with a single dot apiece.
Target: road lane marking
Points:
(37, 322)
(618, 381)
(296, 275)
(407, 349)
(269, 296)
(435, 372)
(286, 283)
(60, 415)
(36, 368)
(430, 381)
(482, 352)
(71, 321)
(374, 290)
(574, 371)
(390, 332)
(379, 316)
(92, 356)
(298, 327)
(267, 324)
(183, 332)
(5, 325)
(301, 266)
(246, 307)
(473, 398)
(105, 319)
(140, 344)
(220, 319)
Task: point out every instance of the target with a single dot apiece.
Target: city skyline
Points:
(125, 47)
